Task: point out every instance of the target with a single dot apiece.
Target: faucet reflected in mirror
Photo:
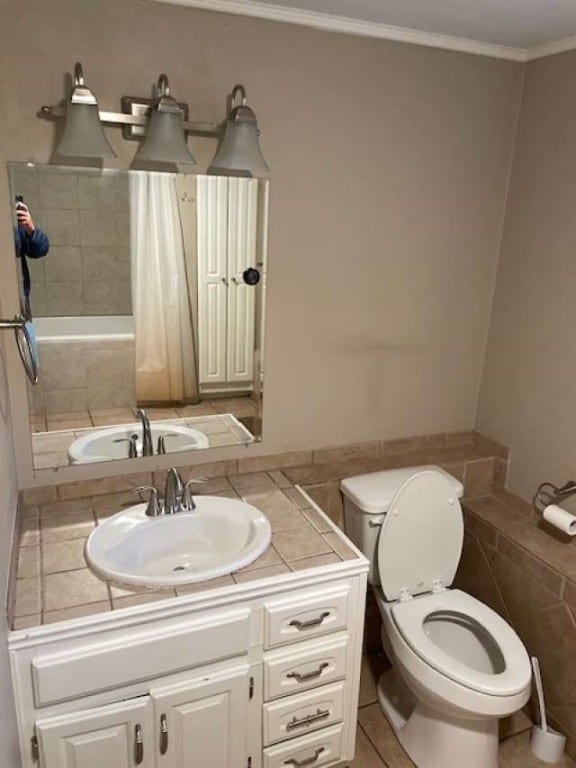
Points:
(148, 311)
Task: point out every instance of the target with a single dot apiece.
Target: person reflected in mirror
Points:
(30, 242)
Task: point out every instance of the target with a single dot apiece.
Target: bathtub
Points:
(86, 363)
(88, 328)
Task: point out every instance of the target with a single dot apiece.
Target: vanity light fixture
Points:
(166, 140)
(83, 133)
(162, 124)
(240, 152)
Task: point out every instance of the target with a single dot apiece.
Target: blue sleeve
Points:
(37, 244)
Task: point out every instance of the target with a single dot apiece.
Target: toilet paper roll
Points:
(560, 519)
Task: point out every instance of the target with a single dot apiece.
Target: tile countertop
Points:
(53, 582)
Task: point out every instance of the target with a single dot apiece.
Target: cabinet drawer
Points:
(306, 615)
(303, 712)
(111, 664)
(304, 666)
(316, 750)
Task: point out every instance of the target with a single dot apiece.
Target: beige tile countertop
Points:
(53, 582)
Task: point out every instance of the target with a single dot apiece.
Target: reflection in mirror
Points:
(147, 293)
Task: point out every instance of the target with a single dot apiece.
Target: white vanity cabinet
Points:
(257, 675)
(202, 721)
(104, 736)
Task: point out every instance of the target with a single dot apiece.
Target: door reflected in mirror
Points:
(146, 295)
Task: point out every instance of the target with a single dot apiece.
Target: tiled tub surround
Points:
(56, 520)
(84, 375)
(51, 448)
(54, 584)
(526, 571)
(86, 217)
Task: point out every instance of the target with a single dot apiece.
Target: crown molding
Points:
(330, 23)
(550, 49)
(346, 25)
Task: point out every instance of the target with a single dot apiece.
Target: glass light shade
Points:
(240, 152)
(166, 140)
(83, 133)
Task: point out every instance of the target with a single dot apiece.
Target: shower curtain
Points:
(166, 370)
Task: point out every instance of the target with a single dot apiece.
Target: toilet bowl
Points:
(457, 665)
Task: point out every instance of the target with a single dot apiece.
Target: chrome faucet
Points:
(173, 492)
(177, 495)
(147, 446)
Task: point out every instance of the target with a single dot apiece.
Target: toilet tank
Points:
(367, 499)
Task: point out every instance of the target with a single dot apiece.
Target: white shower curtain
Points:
(166, 369)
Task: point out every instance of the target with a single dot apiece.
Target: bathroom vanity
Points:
(260, 673)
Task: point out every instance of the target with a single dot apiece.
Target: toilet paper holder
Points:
(548, 494)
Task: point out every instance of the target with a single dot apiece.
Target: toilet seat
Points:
(409, 618)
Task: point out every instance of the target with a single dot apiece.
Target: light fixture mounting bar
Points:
(136, 120)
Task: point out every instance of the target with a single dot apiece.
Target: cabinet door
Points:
(242, 231)
(203, 722)
(212, 229)
(116, 736)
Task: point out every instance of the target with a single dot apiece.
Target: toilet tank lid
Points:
(373, 493)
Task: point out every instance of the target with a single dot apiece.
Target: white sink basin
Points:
(100, 445)
(220, 536)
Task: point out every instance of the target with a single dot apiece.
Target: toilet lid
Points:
(421, 538)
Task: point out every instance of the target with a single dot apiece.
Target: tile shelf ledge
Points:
(514, 520)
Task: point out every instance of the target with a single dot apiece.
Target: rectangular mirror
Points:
(147, 294)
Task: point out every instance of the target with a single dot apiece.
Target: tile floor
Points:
(377, 746)
(241, 407)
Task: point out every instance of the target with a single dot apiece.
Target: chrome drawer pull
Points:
(300, 625)
(138, 745)
(307, 761)
(302, 678)
(163, 735)
(321, 714)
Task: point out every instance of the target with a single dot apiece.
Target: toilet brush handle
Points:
(539, 692)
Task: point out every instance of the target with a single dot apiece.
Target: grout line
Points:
(373, 744)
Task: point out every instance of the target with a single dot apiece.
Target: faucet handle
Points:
(161, 450)
(153, 508)
(187, 497)
(133, 445)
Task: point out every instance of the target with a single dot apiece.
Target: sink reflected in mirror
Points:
(126, 442)
(220, 536)
(148, 292)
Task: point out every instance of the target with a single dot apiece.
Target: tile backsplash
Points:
(86, 217)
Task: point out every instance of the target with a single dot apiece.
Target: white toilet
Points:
(457, 665)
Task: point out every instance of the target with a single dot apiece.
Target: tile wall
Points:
(526, 571)
(85, 215)
(84, 376)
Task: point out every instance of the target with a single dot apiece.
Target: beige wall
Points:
(528, 393)
(8, 499)
(390, 166)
